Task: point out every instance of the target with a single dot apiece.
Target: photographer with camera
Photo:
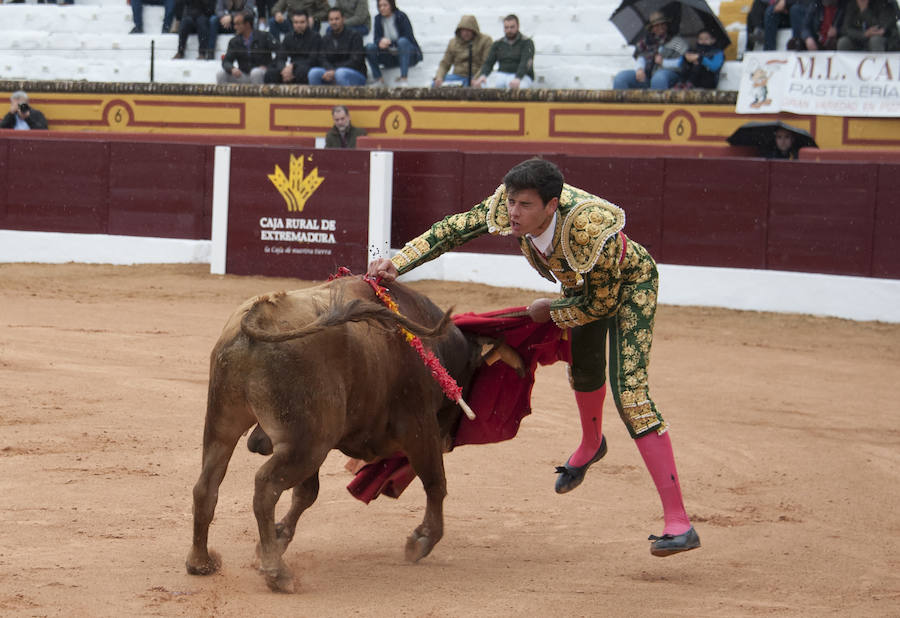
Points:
(21, 115)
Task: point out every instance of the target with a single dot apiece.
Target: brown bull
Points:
(318, 369)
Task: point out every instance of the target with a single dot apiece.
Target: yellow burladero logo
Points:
(295, 188)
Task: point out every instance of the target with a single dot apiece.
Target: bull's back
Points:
(368, 375)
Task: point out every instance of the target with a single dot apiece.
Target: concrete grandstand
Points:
(577, 46)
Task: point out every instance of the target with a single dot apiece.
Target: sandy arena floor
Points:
(785, 431)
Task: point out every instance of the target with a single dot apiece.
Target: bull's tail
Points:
(357, 310)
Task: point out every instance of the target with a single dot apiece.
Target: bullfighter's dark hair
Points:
(538, 174)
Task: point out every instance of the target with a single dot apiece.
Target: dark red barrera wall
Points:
(836, 217)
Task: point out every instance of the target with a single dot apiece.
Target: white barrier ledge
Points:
(854, 298)
(57, 248)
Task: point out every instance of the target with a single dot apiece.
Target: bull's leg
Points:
(304, 495)
(287, 467)
(217, 449)
(427, 460)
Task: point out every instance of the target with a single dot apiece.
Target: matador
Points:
(609, 287)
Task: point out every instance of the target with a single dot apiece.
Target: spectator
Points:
(342, 134)
(514, 55)
(341, 57)
(821, 25)
(702, 63)
(767, 16)
(658, 58)
(777, 15)
(797, 14)
(137, 14)
(298, 53)
(869, 25)
(755, 16)
(222, 21)
(195, 18)
(465, 54)
(264, 12)
(393, 42)
(251, 50)
(280, 24)
(21, 115)
(784, 146)
(356, 15)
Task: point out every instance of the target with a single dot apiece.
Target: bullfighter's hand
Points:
(384, 268)
(539, 310)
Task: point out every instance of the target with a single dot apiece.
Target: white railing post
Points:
(221, 184)
(381, 185)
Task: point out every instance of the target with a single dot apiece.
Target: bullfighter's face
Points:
(528, 214)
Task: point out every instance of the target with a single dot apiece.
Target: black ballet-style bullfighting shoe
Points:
(570, 476)
(669, 544)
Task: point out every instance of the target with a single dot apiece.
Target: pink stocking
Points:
(660, 461)
(590, 408)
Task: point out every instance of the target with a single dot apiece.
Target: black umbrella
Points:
(686, 18)
(762, 135)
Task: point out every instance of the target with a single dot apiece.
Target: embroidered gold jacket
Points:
(586, 253)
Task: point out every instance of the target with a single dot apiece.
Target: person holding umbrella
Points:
(773, 140)
(785, 146)
(657, 58)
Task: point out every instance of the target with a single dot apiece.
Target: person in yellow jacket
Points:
(609, 290)
(465, 54)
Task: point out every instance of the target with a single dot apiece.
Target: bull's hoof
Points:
(418, 546)
(203, 566)
(281, 580)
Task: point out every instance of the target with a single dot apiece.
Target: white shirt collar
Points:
(543, 241)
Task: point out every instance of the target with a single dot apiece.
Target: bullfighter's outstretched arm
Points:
(448, 233)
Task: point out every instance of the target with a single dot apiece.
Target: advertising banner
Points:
(296, 212)
(820, 83)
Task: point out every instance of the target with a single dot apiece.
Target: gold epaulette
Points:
(585, 230)
(498, 214)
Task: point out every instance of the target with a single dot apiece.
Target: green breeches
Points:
(630, 337)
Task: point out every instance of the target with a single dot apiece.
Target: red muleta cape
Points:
(498, 396)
